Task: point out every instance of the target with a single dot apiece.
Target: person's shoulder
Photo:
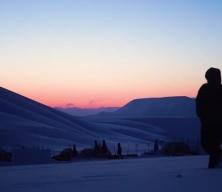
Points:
(204, 89)
(204, 86)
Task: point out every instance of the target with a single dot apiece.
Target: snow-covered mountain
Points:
(157, 107)
(160, 107)
(26, 122)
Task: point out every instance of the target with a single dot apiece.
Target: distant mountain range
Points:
(85, 111)
(147, 107)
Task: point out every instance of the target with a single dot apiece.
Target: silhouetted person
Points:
(96, 146)
(119, 150)
(209, 110)
(104, 149)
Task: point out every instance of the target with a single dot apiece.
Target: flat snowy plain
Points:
(164, 174)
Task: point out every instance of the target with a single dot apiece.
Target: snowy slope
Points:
(174, 174)
(26, 122)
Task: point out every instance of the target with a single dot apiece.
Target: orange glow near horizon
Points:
(67, 98)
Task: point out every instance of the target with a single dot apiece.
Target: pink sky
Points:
(93, 99)
(106, 53)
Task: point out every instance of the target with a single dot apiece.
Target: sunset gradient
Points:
(94, 53)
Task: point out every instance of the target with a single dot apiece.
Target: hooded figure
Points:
(209, 110)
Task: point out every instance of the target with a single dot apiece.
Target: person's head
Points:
(213, 76)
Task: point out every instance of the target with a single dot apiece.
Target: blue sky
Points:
(60, 51)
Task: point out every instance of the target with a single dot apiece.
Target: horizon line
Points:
(65, 106)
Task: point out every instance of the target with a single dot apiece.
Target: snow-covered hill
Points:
(160, 107)
(156, 107)
(169, 174)
(26, 122)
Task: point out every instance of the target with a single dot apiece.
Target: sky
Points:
(100, 53)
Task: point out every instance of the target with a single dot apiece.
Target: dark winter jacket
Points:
(209, 105)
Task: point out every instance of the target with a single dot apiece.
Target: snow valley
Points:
(29, 123)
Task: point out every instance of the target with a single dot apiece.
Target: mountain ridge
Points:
(180, 106)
